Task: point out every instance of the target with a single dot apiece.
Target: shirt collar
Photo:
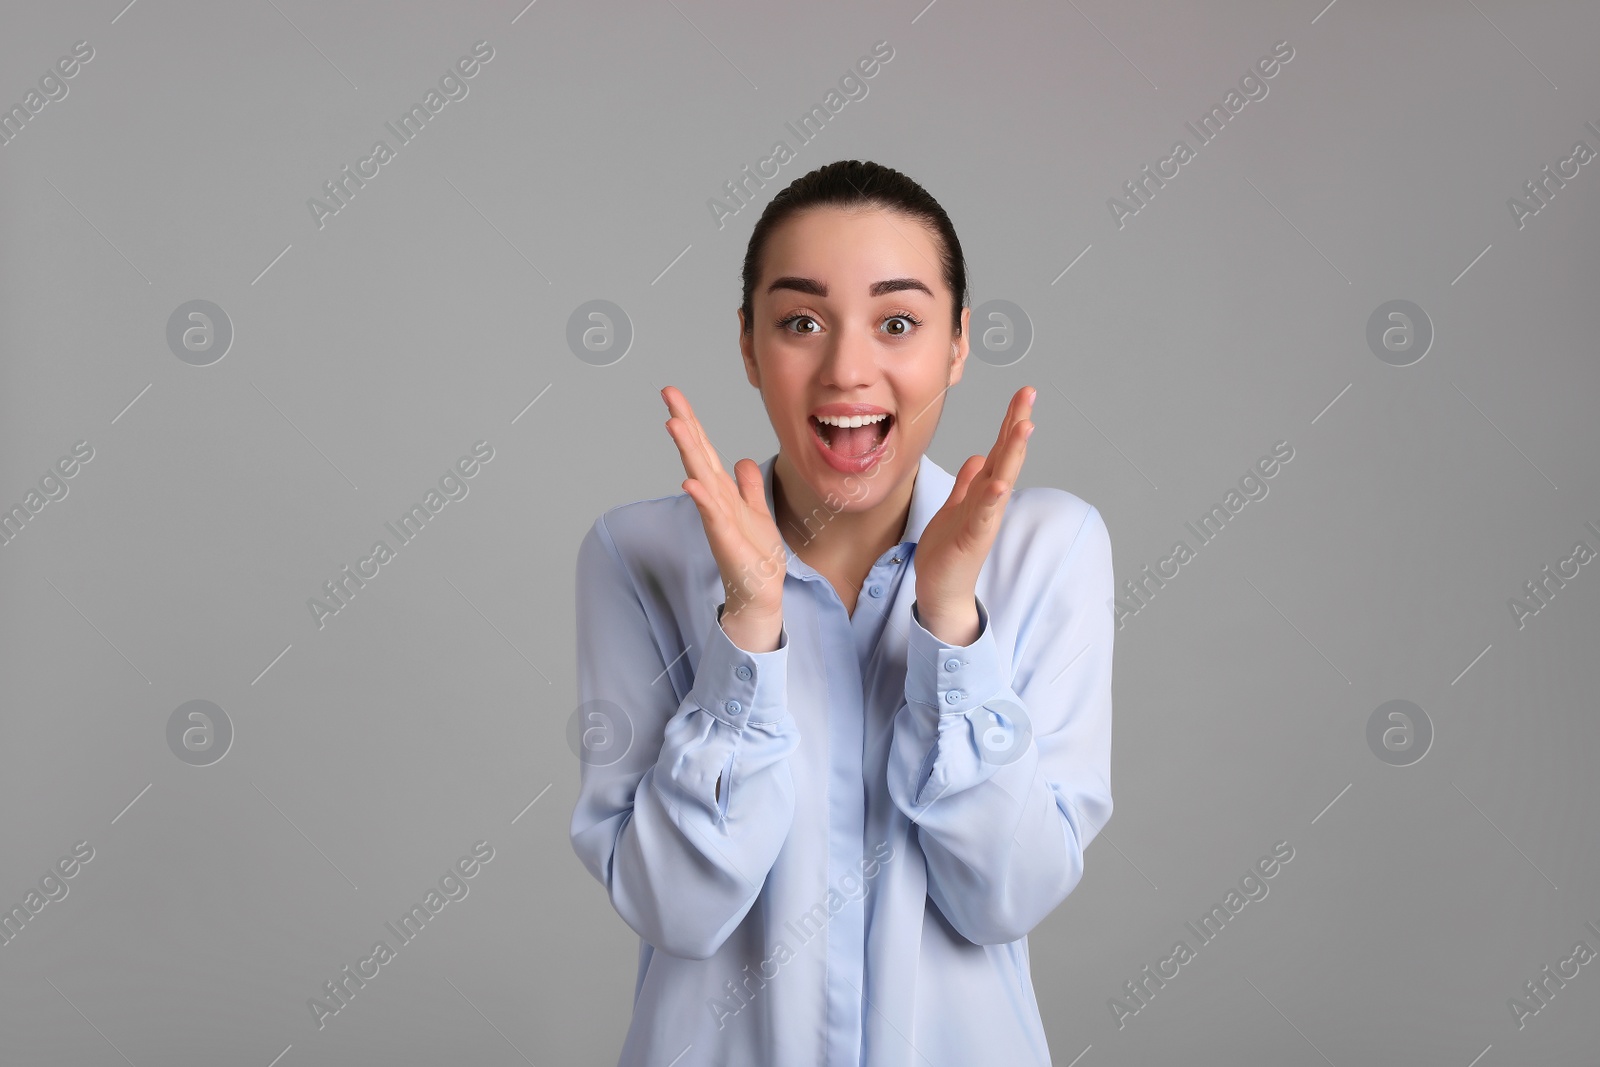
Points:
(929, 492)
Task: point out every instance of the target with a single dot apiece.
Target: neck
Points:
(817, 528)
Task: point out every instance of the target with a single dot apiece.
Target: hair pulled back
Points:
(851, 183)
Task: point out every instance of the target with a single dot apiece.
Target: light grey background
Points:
(1228, 314)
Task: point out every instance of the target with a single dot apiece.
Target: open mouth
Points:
(852, 442)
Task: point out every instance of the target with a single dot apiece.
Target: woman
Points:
(860, 758)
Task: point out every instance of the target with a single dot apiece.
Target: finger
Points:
(713, 516)
(998, 483)
(678, 428)
(692, 445)
(688, 450)
(994, 462)
(1014, 411)
(964, 478)
(1018, 430)
(697, 494)
(1005, 464)
(751, 486)
(713, 458)
(699, 460)
(678, 404)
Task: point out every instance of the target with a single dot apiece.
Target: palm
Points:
(739, 527)
(956, 541)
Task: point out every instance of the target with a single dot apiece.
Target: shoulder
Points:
(650, 538)
(1043, 529)
(1052, 519)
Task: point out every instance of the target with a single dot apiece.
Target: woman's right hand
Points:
(744, 539)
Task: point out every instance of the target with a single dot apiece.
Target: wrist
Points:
(751, 631)
(956, 627)
(748, 613)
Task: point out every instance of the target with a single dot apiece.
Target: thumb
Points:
(752, 488)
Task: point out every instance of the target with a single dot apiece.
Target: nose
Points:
(850, 361)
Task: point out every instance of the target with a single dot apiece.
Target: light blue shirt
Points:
(896, 813)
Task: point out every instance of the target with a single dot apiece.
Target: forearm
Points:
(1004, 773)
(686, 861)
(681, 857)
(690, 861)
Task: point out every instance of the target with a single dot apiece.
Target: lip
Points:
(849, 464)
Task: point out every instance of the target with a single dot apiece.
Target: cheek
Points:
(785, 406)
(784, 386)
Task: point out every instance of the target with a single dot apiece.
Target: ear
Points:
(747, 348)
(961, 346)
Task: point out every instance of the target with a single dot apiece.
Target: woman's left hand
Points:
(957, 539)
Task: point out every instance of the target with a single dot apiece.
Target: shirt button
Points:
(952, 664)
(954, 696)
(876, 590)
(733, 707)
(742, 672)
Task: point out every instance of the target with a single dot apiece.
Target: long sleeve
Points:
(682, 866)
(1005, 768)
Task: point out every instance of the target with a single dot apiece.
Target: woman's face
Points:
(852, 316)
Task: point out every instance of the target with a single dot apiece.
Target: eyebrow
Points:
(816, 288)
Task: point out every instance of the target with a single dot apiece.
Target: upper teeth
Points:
(852, 420)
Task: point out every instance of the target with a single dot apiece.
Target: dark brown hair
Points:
(853, 183)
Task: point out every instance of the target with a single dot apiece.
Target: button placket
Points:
(952, 695)
(738, 698)
(953, 678)
(730, 681)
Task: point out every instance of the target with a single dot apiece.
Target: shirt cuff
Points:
(952, 679)
(740, 687)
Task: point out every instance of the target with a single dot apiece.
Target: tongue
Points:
(856, 440)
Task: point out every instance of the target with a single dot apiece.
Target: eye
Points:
(784, 322)
(904, 330)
